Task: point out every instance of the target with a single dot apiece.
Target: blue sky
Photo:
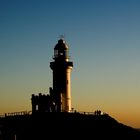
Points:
(104, 41)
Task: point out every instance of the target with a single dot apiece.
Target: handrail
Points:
(16, 114)
(30, 112)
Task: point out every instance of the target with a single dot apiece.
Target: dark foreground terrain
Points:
(49, 126)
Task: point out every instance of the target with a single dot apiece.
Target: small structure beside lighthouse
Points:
(61, 67)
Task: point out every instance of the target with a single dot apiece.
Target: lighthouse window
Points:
(61, 53)
(55, 53)
(36, 107)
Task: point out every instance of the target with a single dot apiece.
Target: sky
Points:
(104, 44)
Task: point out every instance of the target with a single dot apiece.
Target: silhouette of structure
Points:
(59, 99)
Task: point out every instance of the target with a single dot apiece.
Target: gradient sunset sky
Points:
(104, 44)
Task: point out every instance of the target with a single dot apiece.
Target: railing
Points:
(92, 113)
(16, 114)
(97, 112)
(2, 116)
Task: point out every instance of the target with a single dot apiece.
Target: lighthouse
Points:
(61, 68)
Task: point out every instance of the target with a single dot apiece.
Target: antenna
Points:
(62, 36)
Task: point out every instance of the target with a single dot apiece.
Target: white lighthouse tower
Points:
(61, 67)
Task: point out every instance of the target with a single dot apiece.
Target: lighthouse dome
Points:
(61, 45)
(61, 51)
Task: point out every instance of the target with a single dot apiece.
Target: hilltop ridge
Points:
(62, 125)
